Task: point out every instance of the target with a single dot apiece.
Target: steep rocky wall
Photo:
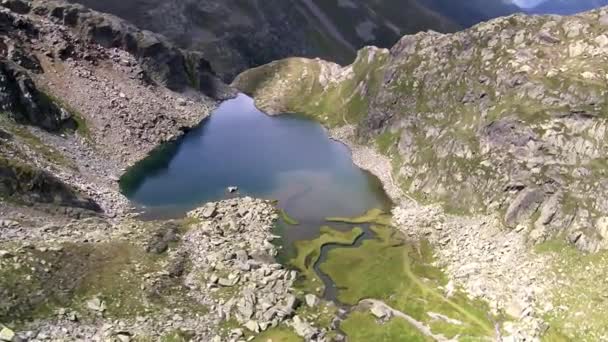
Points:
(20, 98)
(161, 60)
(29, 185)
(507, 116)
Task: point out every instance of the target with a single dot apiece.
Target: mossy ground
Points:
(81, 125)
(309, 251)
(288, 219)
(279, 334)
(580, 304)
(128, 280)
(363, 327)
(401, 274)
(28, 138)
(376, 216)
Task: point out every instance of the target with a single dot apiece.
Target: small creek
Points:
(288, 158)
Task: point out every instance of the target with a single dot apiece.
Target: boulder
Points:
(253, 326)
(380, 311)
(17, 6)
(232, 280)
(311, 300)
(96, 305)
(523, 206)
(6, 334)
(209, 210)
(303, 329)
(123, 336)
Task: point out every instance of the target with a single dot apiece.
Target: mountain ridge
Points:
(566, 7)
(261, 31)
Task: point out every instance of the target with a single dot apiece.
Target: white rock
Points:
(6, 334)
(253, 326)
(380, 311)
(311, 300)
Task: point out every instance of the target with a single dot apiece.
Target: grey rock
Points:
(232, 280)
(524, 205)
(241, 255)
(6, 334)
(17, 6)
(209, 211)
(25, 104)
(311, 300)
(252, 326)
(380, 311)
(291, 303)
(123, 336)
(96, 305)
(303, 329)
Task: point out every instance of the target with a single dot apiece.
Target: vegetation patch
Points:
(402, 274)
(579, 305)
(309, 251)
(321, 316)
(33, 142)
(288, 219)
(81, 125)
(123, 280)
(376, 216)
(278, 334)
(386, 141)
(363, 327)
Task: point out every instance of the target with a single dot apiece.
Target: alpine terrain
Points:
(302, 171)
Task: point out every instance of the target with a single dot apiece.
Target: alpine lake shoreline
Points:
(382, 264)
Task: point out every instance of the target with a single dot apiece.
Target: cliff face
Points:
(235, 35)
(508, 116)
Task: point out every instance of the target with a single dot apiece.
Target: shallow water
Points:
(288, 158)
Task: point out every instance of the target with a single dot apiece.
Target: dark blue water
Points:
(288, 158)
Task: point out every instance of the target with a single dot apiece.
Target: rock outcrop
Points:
(33, 186)
(25, 104)
(508, 116)
(161, 61)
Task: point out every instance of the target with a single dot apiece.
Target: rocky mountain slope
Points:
(83, 95)
(235, 35)
(508, 116)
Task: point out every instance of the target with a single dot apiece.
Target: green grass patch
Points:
(321, 316)
(81, 125)
(31, 140)
(113, 272)
(580, 304)
(386, 141)
(279, 334)
(402, 274)
(177, 336)
(363, 327)
(287, 219)
(309, 251)
(376, 216)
